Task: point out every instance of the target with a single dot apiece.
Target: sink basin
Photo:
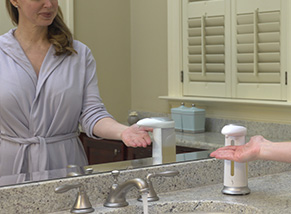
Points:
(189, 207)
(204, 207)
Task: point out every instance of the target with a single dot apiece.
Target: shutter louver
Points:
(205, 63)
(206, 49)
(235, 48)
(258, 47)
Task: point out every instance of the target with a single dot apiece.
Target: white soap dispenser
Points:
(164, 138)
(235, 174)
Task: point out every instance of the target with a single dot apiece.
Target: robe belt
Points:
(41, 157)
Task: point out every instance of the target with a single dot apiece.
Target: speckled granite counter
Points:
(205, 140)
(199, 182)
(214, 140)
(40, 197)
(269, 195)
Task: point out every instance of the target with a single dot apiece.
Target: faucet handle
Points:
(115, 174)
(162, 174)
(82, 203)
(152, 195)
(75, 170)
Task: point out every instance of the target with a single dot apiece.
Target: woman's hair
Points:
(59, 34)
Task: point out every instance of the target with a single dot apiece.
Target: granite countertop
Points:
(198, 185)
(269, 194)
(211, 140)
(204, 140)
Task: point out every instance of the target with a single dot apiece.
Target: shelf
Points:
(209, 100)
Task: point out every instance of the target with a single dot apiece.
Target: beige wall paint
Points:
(104, 25)
(129, 41)
(5, 21)
(149, 55)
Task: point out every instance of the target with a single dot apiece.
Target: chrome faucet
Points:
(152, 195)
(82, 203)
(116, 197)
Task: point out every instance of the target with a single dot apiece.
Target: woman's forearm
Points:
(258, 148)
(276, 151)
(109, 128)
(133, 136)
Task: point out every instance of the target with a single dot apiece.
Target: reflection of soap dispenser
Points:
(235, 174)
(164, 138)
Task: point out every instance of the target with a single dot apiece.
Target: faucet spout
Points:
(116, 197)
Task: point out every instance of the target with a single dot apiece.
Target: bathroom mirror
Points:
(135, 158)
(77, 14)
(97, 168)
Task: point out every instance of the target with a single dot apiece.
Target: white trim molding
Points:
(68, 12)
(174, 48)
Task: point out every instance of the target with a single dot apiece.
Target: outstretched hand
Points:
(243, 153)
(136, 136)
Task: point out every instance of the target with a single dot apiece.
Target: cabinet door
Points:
(102, 151)
(140, 152)
(206, 48)
(259, 49)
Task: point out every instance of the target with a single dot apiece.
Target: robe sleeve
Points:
(93, 108)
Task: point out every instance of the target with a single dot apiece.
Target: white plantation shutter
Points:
(258, 47)
(235, 48)
(204, 48)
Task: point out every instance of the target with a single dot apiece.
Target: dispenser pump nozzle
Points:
(234, 130)
(157, 122)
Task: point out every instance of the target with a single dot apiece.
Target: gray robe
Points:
(39, 116)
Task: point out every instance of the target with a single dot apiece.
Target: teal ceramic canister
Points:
(176, 114)
(193, 119)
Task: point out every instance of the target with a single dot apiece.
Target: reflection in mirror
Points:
(134, 158)
(96, 168)
(104, 151)
(146, 162)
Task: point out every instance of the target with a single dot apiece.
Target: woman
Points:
(48, 86)
(258, 148)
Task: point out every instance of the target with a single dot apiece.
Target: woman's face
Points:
(36, 12)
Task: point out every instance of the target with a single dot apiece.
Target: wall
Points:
(104, 25)
(5, 21)
(129, 41)
(149, 55)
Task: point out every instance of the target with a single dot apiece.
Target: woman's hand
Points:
(243, 153)
(133, 136)
(136, 136)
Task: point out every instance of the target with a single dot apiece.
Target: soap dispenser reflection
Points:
(235, 174)
(164, 138)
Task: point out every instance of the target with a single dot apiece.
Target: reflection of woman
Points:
(258, 148)
(48, 86)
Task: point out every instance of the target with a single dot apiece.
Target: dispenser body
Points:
(235, 174)
(164, 145)
(164, 139)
